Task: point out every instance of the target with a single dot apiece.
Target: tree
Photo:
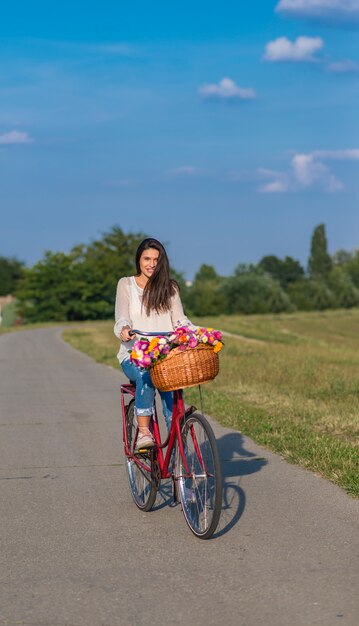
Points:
(44, 291)
(204, 296)
(345, 293)
(320, 262)
(287, 271)
(299, 295)
(11, 270)
(342, 257)
(247, 268)
(353, 268)
(255, 293)
(311, 295)
(97, 267)
(271, 264)
(206, 272)
(79, 285)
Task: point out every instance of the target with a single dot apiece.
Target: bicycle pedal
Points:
(143, 451)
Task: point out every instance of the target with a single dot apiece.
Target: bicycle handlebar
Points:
(164, 333)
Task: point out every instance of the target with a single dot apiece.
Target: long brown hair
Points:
(160, 287)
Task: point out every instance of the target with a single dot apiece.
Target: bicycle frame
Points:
(174, 434)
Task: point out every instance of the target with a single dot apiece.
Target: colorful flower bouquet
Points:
(146, 353)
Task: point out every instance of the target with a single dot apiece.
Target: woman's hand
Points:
(125, 333)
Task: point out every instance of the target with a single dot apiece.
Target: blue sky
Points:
(228, 130)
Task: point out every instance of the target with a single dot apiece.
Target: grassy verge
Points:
(16, 328)
(291, 382)
(9, 314)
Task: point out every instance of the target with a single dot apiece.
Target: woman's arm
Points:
(122, 313)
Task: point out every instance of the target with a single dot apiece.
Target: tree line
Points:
(81, 284)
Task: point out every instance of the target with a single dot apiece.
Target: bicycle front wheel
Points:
(199, 485)
(143, 483)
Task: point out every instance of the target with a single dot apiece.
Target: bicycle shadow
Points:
(236, 462)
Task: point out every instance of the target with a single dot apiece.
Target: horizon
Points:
(189, 280)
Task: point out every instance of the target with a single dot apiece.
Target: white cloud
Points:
(302, 49)
(332, 10)
(343, 67)
(278, 181)
(307, 170)
(15, 137)
(226, 89)
(274, 187)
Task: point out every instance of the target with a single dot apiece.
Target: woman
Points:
(149, 301)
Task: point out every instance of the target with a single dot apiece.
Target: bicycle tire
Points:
(143, 487)
(200, 491)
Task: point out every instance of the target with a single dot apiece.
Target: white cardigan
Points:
(130, 312)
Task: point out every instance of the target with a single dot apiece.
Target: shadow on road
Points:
(236, 462)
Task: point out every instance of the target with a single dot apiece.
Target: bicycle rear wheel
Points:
(199, 489)
(143, 484)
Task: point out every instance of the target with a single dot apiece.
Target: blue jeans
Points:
(145, 392)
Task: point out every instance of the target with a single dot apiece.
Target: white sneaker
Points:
(144, 441)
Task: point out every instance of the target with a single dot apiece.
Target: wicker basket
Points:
(185, 368)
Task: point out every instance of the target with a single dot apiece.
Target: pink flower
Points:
(183, 337)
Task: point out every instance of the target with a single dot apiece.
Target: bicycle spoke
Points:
(200, 489)
(143, 488)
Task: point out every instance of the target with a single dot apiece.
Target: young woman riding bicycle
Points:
(149, 301)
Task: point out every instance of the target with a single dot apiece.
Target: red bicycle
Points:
(191, 461)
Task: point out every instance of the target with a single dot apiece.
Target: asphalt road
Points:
(75, 551)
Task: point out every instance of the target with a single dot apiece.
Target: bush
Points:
(255, 293)
(346, 295)
(310, 295)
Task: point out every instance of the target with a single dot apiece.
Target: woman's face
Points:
(148, 262)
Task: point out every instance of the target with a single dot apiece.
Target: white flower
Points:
(162, 341)
(204, 339)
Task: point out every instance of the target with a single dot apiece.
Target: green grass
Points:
(8, 315)
(34, 325)
(291, 382)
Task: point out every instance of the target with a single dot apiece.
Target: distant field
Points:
(8, 315)
(290, 381)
